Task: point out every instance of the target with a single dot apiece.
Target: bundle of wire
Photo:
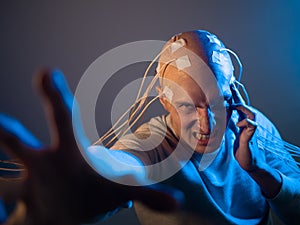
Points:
(280, 148)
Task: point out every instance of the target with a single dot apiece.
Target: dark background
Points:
(70, 35)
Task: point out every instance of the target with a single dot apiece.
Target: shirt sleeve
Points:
(287, 202)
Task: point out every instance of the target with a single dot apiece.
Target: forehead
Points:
(186, 88)
(200, 55)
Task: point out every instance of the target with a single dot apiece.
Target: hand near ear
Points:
(251, 158)
(247, 153)
(60, 187)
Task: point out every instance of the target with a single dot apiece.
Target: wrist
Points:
(268, 179)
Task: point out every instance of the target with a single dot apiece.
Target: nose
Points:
(205, 120)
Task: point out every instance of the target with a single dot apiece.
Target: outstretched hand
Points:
(60, 187)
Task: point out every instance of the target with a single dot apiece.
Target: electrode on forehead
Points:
(168, 93)
(183, 62)
(177, 44)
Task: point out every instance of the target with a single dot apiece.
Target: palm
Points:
(60, 187)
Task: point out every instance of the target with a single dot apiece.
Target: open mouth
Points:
(202, 139)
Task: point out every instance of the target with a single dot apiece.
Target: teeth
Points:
(202, 136)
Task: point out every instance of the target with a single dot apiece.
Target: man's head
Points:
(195, 77)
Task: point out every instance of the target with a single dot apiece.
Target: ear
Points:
(163, 100)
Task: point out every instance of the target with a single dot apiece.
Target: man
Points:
(217, 158)
(231, 178)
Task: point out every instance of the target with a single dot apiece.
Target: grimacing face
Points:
(197, 117)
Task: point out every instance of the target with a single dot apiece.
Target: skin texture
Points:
(193, 112)
(59, 187)
(192, 99)
(196, 84)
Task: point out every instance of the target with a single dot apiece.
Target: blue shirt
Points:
(216, 188)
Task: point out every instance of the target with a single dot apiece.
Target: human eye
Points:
(186, 108)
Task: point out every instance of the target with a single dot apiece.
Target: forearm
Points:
(281, 192)
(287, 203)
(268, 179)
(118, 166)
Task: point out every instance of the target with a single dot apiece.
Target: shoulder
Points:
(145, 137)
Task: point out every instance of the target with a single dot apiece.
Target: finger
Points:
(246, 111)
(159, 197)
(16, 139)
(247, 123)
(249, 128)
(58, 102)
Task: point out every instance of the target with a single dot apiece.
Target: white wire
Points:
(238, 61)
